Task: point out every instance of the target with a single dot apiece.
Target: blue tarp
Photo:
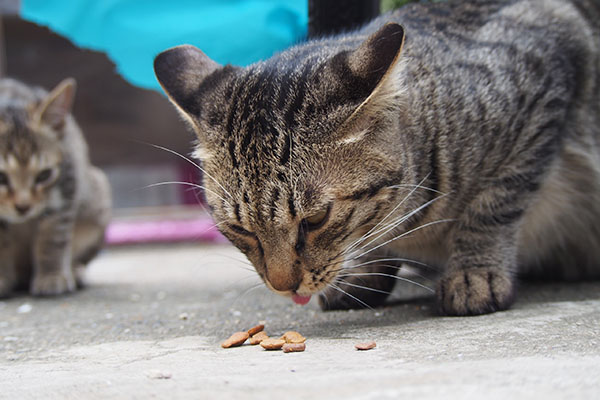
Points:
(133, 32)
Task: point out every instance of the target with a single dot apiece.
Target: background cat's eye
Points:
(317, 220)
(3, 179)
(43, 176)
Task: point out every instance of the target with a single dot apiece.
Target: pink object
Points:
(191, 230)
(302, 300)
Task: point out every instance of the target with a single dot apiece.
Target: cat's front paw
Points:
(52, 284)
(475, 291)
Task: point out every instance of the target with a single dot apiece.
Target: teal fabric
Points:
(132, 32)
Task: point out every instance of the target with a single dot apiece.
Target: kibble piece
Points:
(259, 337)
(293, 347)
(293, 337)
(272, 344)
(255, 329)
(237, 339)
(365, 346)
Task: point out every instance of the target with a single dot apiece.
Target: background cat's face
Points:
(296, 152)
(32, 125)
(29, 168)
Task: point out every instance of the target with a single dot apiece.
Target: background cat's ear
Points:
(180, 70)
(57, 105)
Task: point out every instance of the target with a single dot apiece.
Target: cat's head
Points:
(32, 124)
(298, 151)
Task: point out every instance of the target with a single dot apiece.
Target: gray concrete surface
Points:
(150, 323)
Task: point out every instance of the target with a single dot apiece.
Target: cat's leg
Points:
(52, 270)
(365, 282)
(8, 277)
(90, 226)
(479, 275)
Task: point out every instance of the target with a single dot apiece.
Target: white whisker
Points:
(364, 287)
(378, 260)
(349, 295)
(402, 185)
(193, 163)
(248, 263)
(395, 223)
(375, 229)
(400, 278)
(246, 292)
(403, 235)
(187, 184)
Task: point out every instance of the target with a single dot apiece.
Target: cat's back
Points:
(501, 30)
(478, 19)
(492, 32)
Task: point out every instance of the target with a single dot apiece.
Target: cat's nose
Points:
(283, 281)
(22, 208)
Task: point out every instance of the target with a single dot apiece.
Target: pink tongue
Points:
(302, 300)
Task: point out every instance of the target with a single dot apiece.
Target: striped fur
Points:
(476, 121)
(54, 205)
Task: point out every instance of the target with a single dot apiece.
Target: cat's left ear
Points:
(57, 105)
(376, 56)
(368, 76)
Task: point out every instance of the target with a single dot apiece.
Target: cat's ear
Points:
(370, 77)
(375, 57)
(56, 106)
(180, 70)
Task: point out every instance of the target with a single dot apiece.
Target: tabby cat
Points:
(460, 135)
(54, 206)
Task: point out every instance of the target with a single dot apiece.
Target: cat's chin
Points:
(302, 300)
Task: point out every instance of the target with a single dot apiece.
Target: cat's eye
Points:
(3, 179)
(317, 220)
(43, 176)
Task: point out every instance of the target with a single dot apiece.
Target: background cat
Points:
(464, 140)
(54, 206)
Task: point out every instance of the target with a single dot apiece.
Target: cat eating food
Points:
(54, 205)
(460, 137)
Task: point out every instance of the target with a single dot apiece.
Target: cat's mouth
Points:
(302, 300)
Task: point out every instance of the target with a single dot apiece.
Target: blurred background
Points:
(108, 47)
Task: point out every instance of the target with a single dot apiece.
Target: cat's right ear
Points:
(57, 105)
(180, 70)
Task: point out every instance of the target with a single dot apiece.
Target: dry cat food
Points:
(237, 339)
(293, 337)
(290, 342)
(254, 330)
(365, 346)
(293, 347)
(272, 344)
(259, 337)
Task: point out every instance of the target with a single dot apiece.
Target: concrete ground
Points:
(150, 324)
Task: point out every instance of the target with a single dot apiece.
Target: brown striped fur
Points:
(477, 120)
(54, 206)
